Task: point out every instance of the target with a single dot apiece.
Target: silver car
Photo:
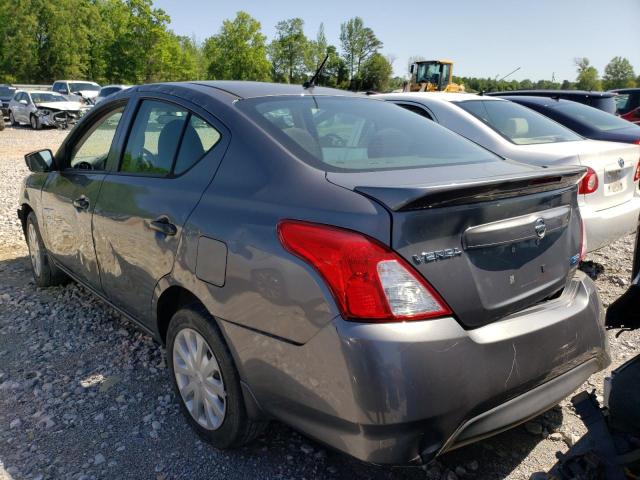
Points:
(325, 259)
(40, 108)
(609, 197)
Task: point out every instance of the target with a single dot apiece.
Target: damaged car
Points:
(41, 108)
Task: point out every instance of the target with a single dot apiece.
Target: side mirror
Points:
(40, 161)
(24, 102)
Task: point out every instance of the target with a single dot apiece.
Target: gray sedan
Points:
(332, 261)
(39, 108)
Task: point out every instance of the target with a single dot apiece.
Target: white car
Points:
(609, 196)
(40, 108)
(76, 89)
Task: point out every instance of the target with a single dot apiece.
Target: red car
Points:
(628, 104)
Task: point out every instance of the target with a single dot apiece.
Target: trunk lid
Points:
(504, 238)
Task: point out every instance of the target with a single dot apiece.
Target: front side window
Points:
(591, 116)
(359, 134)
(518, 124)
(166, 139)
(83, 86)
(92, 150)
(622, 103)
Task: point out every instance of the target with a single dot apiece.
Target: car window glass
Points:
(593, 117)
(92, 150)
(518, 124)
(416, 109)
(154, 138)
(199, 137)
(622, 102)
(359, 134)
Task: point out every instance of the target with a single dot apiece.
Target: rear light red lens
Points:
(589, 182)
(369, 281)
(636, 176)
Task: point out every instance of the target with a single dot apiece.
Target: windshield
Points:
(433, 72)
(359, 134)
(7, 92)
(518, 124)
(83, 86)
(45, 97)
(592, 117)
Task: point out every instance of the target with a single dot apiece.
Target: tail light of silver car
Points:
(636, 175)
(368, 280)
(589, 182)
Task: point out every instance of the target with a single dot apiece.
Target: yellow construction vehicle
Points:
(432, 76)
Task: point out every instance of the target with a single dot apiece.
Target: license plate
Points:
(614, 182)
(615, 187)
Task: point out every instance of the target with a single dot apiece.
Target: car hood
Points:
(67, 106)
(87, 93)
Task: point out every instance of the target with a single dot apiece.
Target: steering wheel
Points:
(83, 166)
(148, 158)
(334, 140)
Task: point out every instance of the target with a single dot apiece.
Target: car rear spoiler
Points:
(417, 197)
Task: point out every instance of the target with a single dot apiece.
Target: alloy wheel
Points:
(199, 379)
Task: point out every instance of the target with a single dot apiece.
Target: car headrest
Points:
(305, 140)
(388, 141)
(168, 142)
(516, 127)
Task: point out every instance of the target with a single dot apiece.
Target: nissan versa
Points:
(333, 261)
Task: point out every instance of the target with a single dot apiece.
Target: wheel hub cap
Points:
(199, 379)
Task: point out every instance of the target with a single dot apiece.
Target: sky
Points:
(486, 38)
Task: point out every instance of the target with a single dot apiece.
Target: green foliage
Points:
(618, 74)
(375, 74)
(587, 75)
(358, 43)
(289, 51)
(238, 51)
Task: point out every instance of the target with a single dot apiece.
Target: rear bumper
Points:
(606, 226)
(404, 393)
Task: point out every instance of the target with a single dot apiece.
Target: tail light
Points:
(636, 176)
(637, 142)
(369, 281)
(589, 182)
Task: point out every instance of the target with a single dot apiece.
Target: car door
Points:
(167, 160)
(70, 193)
(20, 108)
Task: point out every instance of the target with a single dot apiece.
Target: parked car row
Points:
(394, 285)
(61, 107)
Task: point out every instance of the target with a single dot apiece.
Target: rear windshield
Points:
(105, 92)
(7, 91)
(359, 134)
(592, 117)
(518, 124)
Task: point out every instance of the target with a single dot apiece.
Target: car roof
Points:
(440, 96)
(551, 92)
(83, 81)
(531, 99)
(625, 90)
(38, 91)
(246, 89)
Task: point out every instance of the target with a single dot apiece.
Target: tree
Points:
(375, 73)
(618, 74)
(358, 43)
(317, 50)
(587, 75)
(238, 51)
(289, 50)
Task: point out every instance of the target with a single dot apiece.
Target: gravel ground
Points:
(84, 395)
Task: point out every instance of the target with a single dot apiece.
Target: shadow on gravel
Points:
(84, 395)
(593, 269)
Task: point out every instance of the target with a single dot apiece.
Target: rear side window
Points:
(359, 134)
(166, 139)
(606, 104)
(518, 124)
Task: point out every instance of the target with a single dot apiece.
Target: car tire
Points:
(35, 122)
(232, 427)
(12, 119)
(45, 273)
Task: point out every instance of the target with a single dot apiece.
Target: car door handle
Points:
(162, 225)
(81, 202)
